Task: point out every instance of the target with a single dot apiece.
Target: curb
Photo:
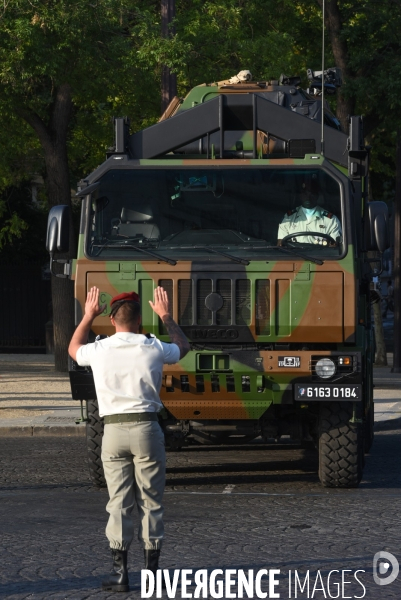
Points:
(388, 425)
(43, 431)
(80, 430)
(383, 385)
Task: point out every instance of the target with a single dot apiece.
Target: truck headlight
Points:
(325, 368)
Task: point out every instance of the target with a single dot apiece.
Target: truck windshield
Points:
(246, 211)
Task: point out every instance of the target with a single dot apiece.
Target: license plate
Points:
(328, 391)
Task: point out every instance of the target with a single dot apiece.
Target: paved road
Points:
(241, 508)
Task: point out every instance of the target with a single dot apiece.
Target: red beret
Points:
(127, 296)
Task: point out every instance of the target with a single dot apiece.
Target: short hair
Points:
(125, 312)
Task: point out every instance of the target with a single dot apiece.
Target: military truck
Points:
(280, 325)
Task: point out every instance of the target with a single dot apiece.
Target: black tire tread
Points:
(94, 435)
(340, 446)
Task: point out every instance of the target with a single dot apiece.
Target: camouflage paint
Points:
(312, 297)
(205, 92)
(307, 303)
(229, 162)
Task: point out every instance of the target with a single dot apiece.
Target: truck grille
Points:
(243, 302)
(223, 315)
(203, 314)
(185, 301)
(210, 301)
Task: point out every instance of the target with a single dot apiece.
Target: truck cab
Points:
(254, 218)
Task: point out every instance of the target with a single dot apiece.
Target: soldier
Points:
(127, 369)
(310, 217)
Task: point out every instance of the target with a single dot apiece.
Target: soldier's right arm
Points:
(283, 229)
(176, 334)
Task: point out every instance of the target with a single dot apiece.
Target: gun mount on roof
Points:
(332, 78)
(214, 128)
(240, 118)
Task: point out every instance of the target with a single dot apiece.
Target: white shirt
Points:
(321, 221)
(127, 369)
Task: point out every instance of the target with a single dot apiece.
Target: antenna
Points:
(322, 135)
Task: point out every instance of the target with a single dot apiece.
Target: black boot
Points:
(152, 560)
(117, 581)
(152, 564)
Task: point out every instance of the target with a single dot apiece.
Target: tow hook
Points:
(354, 418)
(83, 418)
(178, 431)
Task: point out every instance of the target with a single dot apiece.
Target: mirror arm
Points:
(380, 260)
(62, 261)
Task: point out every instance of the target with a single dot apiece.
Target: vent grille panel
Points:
(204, 315)
(263, 307)
(243, 302)
(223, 316)
(240, 297)
(185, 301)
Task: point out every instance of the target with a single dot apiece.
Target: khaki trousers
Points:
(134, 462)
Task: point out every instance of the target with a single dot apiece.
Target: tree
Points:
(365, 43)
(66, 67)
(220, 37)
(59, 60)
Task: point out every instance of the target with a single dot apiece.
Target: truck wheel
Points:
(94, 435)
(340, 446)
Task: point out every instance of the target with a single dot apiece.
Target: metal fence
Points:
(25, 306)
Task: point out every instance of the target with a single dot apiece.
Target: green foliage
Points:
(91, 47)
(111, 53)
(372, 32)
(22, 225)
(19, 149)
(12, 227)
(215, 39)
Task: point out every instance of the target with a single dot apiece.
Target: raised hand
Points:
(161, 303)
(92, 308)
(162, 309)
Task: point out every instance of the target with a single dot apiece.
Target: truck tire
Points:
(340, 446)
(94, 435)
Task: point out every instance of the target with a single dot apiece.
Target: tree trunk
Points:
(169, 80)
(381, 354)
(53, 138)
(333, 23)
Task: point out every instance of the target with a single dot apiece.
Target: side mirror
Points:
(58, 229)
(381, 232)
(376, 226)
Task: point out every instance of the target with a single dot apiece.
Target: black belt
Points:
(131, 417)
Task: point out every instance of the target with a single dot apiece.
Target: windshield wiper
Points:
(241, 261)
(145, 250)
(317, 261)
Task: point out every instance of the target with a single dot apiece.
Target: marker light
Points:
(325, 368)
